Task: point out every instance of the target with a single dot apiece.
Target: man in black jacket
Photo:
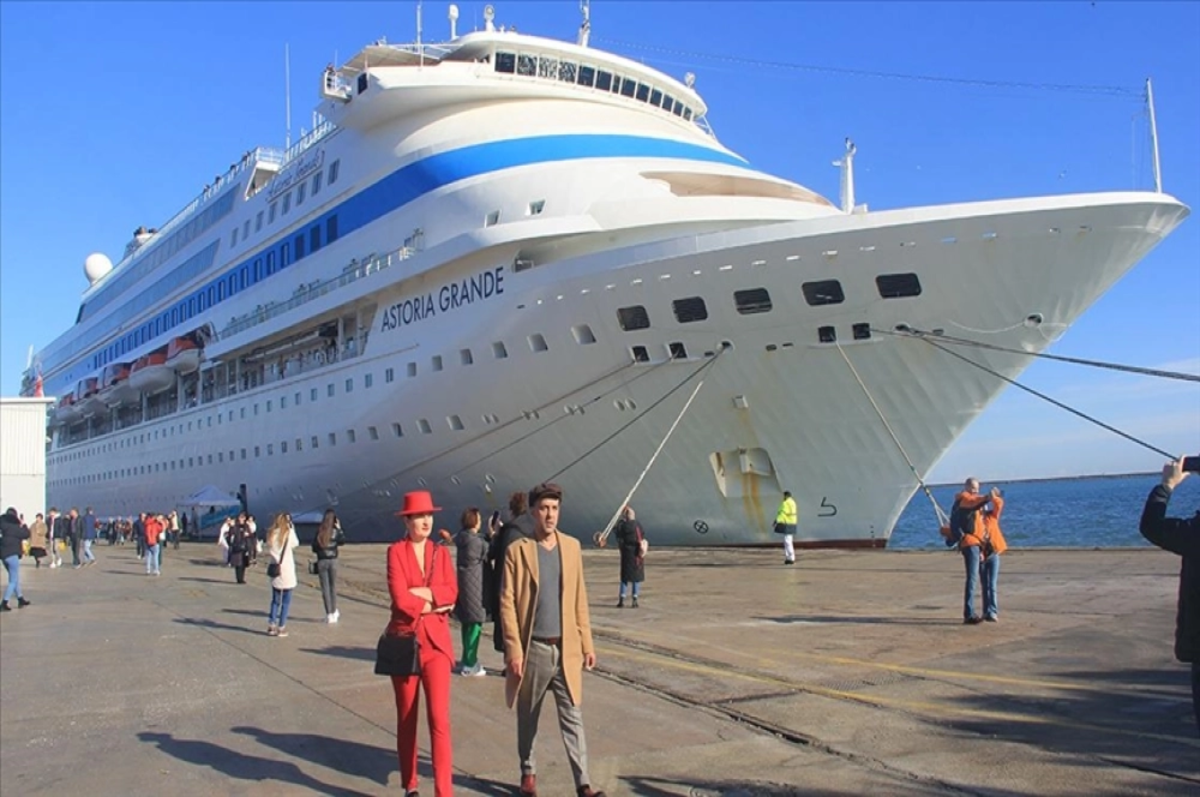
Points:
(12, 534)
(1181, 536)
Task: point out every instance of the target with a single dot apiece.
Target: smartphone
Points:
(1191, 464)
(495, 517)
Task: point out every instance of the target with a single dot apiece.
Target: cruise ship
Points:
(503, 259)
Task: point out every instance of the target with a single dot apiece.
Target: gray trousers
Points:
(327, 573)
(543, 671)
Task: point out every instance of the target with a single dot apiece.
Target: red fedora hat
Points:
(419, 502)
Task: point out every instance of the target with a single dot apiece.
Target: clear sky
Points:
(115, 115)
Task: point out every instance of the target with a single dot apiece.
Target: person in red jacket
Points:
(423, 589)
(991, 545)
(153, 529)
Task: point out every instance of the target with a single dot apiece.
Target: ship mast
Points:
(1154, 137)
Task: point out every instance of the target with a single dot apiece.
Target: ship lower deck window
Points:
(455, 423)
(827, 334)
(753, 300)
(412, 369)
(506, 62)
(499, 351)
(823, 292)
(690, 309)
(351, 435)
(397, 430)
(368, 380)
(333, 438)
(389, 375)
(314, 238)
(633, 318)
(373, 433)
(583, 334)
(466, 357)
(894, 286)
(640, 354)
(537, 342)
(425, 427)
(862, 331)
(299, 243)
(435, 362)
(331, 229)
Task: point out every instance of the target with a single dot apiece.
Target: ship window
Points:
(628, 87)
(296, 398)
(678, 110)
(331, 230)
(232, 284)
(317, 183)
(285, 254)
(656, 97)
(643, 92)
(583, 334)
(754, 300)
(826, 334)
(314, 442)
(640, 355)
(329, 390)
(270, 263)
(373, 432)
(436, 362)
(526, 65)
(466, 357)
(396, 430)
(350, 435)
(506, 62)
(246, 230)
(668, 103)
(690, 309)
(425, 427)
(499, 351)
(233, 237)
(566, 71)
(389, 375)
(244, 277)
(283, 402)
(287, 202)
(258, 220)
(368, 380)
(257, 269)
(537, 342)
(412, 369)
(299, 444)
(492, 219)
(862, 331)
(244, 453)
(536, 208)
(677, 351)
(333, 438)
(283, 447)
(687, 114)
(298, 242)
(334, 168)
(301, 192)
(633, 318)
(314, 237)
(894, 286)
(271, 213)
(312, 394)
(824, 292)
(349, 385)
(604, 80)
(587, 76)
(548, 67)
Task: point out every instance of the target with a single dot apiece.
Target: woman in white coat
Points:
(281, 542)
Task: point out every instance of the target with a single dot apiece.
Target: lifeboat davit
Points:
(183, 355)
(151, 374)
(87, 396)
(66, 411)
(115, 389)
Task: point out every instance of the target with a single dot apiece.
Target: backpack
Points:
(962, 523)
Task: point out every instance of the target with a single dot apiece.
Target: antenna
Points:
(420, 49)
(453, 22)
(585, 28)
(287, 95)
(1154, 136)
(847, 164)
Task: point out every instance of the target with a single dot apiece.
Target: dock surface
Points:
(849, 673)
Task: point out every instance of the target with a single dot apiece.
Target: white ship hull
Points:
(471, 321)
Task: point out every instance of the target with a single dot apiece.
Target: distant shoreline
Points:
(1059, 478)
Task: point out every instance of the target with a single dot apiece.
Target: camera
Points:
(1191, 464)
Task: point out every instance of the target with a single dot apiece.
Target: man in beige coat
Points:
(547, 636)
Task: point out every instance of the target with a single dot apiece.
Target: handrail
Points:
(316, 289)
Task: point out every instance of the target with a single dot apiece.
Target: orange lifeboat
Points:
(66, 411)
(183, 354)
(151, 374)
(87, 396)
(115, 389)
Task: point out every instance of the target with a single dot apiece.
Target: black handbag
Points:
(273, 570)
(398, 655)
(401, 655)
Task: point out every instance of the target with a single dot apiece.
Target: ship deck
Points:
(850, 673)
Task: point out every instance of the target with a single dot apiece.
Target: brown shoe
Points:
(528, 786)
(586, 791)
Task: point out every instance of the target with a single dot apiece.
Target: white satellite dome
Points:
(96, 267)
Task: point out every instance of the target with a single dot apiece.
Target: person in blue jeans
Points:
(281, 544)
(968, 512)
(12, 533)
(89, 537)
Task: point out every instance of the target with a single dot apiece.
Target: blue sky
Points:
(114, 115)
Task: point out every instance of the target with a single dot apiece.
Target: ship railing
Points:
(307, 292)
(306, 142)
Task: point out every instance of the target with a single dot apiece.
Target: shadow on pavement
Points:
(343, 652)
(214, 625)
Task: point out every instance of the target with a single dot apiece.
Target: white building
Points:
(23, 454)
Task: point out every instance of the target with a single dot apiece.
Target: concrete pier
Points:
(850, 673)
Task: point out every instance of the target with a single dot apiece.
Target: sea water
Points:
(1085, 512)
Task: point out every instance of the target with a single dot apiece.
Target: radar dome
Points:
(96, 267)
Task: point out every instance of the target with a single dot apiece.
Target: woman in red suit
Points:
(423, 587)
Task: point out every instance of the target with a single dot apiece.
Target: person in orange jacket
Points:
(971, 502)
(992, 544)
